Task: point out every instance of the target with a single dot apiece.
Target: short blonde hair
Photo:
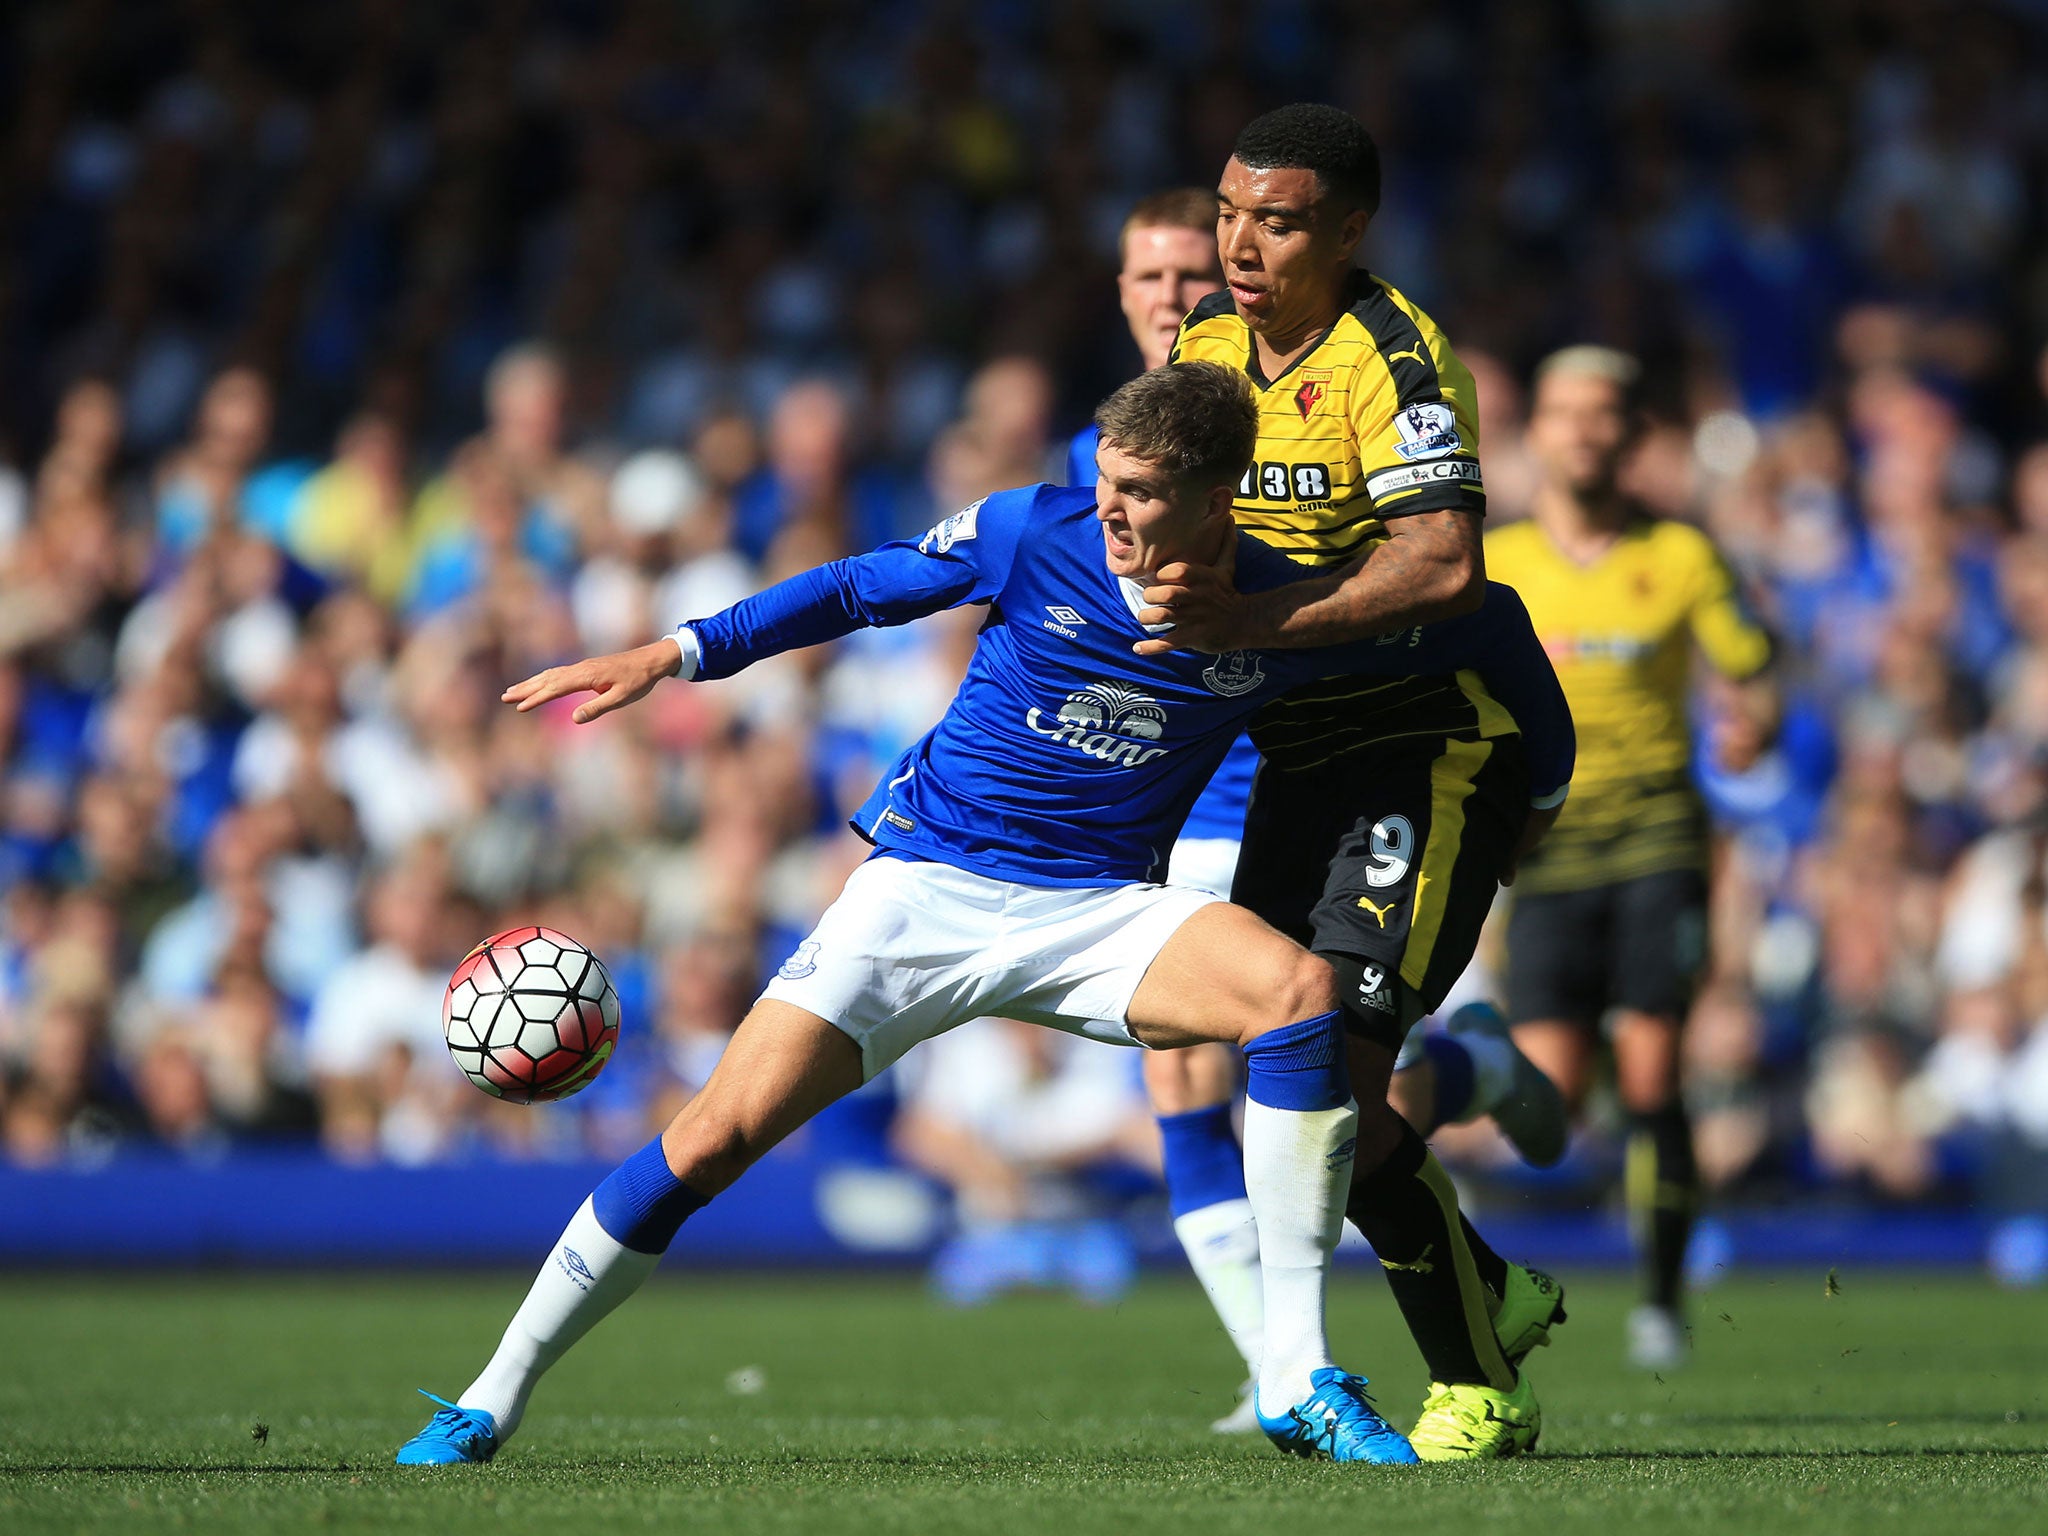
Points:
(1589, 361)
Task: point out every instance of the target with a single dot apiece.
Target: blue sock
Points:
(1456, 1079)
(1204, 1165)
(643, 1204)
(1300, 1066)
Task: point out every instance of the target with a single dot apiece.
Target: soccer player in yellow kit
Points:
(1384, 816)
(1609, 920)
(1169, 264)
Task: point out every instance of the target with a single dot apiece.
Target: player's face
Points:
(1167, 270)
(1286, 251)
(1150, 519)
(1578, 429)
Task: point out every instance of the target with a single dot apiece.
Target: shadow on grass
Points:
(611, 1464)
(182, 1468)
(1839, 1453)
(1810, 1420)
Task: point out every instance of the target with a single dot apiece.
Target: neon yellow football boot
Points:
(1532, 1305)
(1468, 1422)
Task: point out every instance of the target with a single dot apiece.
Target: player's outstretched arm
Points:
(618, 680)
(1431, 567)
(965, 559)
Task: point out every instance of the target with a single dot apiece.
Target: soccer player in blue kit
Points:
(1017, 850)
(1167, 263)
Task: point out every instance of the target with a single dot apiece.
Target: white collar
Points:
(1134, 599)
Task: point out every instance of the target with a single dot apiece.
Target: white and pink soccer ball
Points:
(530, 1015)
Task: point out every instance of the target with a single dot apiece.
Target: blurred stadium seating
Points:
(358, 359)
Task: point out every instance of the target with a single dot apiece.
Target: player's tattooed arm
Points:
(1432, 566)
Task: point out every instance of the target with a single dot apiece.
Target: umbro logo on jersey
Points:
(1062, 620)
(1107, 721)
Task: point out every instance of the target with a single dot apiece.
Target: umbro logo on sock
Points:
(574, 1267)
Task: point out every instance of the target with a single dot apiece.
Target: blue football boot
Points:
(1337, 1422)
(453, 1434)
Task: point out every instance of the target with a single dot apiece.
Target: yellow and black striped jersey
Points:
(1621, 633)
(1376, 420)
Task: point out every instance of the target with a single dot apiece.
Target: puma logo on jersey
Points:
(1415, 352)
(1420, 1265)
(1379, 912)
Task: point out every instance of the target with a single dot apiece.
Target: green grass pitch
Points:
(826, 1404)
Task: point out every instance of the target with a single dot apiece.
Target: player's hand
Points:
(1533, 830)
(1202, 604)
(1738, 742)
(617, 680)
(1743, 722)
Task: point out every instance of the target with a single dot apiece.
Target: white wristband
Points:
(692, 649)
(1550, 801)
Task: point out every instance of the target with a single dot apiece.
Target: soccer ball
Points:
(530, 1015)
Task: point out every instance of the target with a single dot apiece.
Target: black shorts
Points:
(1391, 855)
(1636, 944)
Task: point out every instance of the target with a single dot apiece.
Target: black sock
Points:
(1663, 1198)
(1408, 1211)
(1493, 1269)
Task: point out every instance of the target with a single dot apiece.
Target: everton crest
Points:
(1233, 673)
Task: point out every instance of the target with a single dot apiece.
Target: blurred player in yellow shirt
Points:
(1609, 920)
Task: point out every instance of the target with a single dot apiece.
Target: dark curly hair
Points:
(1308, 136)
(1197, 421)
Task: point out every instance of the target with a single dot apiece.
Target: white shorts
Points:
(912, 949)
(1204, 864)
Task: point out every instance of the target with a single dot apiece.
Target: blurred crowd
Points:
(357, 360)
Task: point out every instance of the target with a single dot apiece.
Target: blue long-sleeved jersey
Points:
(1065, 759)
